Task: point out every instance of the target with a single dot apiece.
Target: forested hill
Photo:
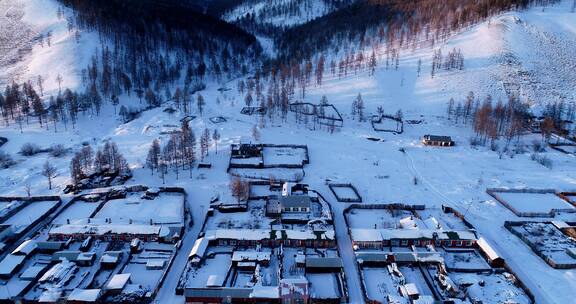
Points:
(393, 21)
(144, 15)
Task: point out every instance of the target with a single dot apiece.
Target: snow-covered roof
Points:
(376, 235)
(251, 255)
(560, 224)
(155, 263)
(215, 280)
(294, 285)
(263, 234)
(85, 295)
(32, 272)
(50, 295)
(265, 292)
(291, 201)
(424, 300)
(199, 248)
(26, 248)
(103, 229)
(9, 263)
(118, 281)
(432, 223)
(238, 234)
(109, 258)
(488, 250)
(411, 289)
(366, 235)
(323, 262)
(58, 271)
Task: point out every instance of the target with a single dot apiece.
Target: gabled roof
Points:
(319, 262)
(199, 248)
(291, 201)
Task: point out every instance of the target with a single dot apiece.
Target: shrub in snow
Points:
(57, 150)
(29, 149)
(537, 146)
(543, 160)
(475, 141)
(5, 160)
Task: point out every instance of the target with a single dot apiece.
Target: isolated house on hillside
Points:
(437, 140)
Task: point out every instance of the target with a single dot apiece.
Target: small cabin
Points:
(437, 140)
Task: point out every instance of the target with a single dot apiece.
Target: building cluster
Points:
(410, 254)
(96, 251)
(291, 257)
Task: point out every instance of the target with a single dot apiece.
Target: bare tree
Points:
(216, 138)
(240, 189)
(59, 79)
(49, 172)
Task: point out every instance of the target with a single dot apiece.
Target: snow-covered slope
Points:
(52, 49)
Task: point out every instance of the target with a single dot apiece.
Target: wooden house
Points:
(437, 140)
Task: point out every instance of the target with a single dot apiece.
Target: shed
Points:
(493, 258)
(110, 258)
(86, 259)
(198, 250)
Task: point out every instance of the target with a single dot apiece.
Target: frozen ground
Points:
(79, 210)
(379, 284)
(164, 209)
(494, 286)
(457, 176)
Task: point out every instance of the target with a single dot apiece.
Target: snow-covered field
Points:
(165, 209)
(541, 41)
(535, 202)
(29, 214)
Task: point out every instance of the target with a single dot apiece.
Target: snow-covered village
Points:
(288, 151)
